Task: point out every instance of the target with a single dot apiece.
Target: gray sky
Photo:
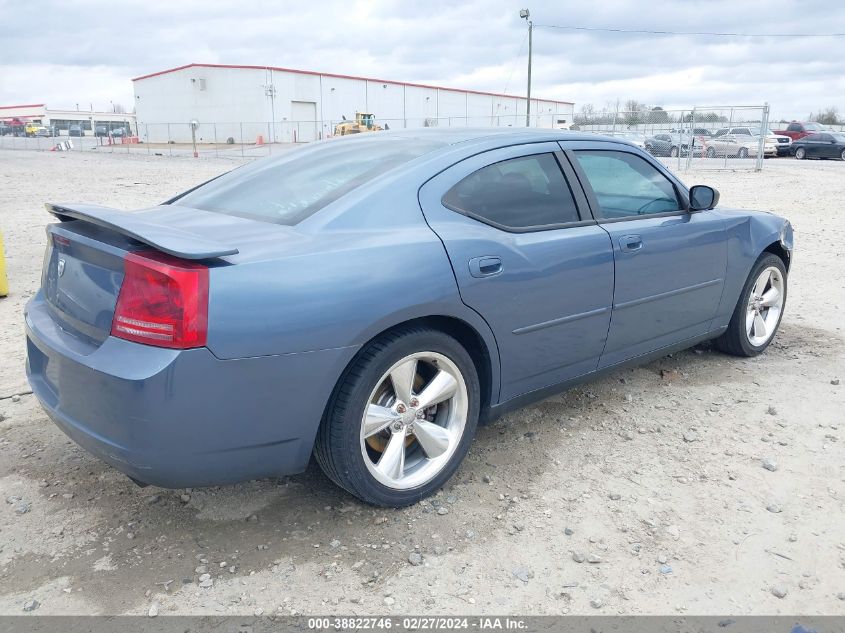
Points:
(64, 52)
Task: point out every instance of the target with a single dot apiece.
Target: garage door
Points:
(303, 116)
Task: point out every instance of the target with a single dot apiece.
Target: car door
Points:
(528, 258)
(812, 145)
(826, 147)
(669, 263)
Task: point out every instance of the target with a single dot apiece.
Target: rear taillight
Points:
(163, 301)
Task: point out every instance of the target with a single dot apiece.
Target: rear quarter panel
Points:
(351, 274)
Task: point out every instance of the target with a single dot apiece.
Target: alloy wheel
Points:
(414, 420)
(800, 153)
(765, 305)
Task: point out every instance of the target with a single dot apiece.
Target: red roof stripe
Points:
(28, 105)
(337, 76)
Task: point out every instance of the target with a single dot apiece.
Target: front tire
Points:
(673, 152)
(758, 312)
(800, 153)
(402, 418)
(743, 153)
(842, 155)
(711, 152)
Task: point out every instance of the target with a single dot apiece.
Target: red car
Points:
(796, 129)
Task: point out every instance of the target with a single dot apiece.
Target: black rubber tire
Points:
(673, 152)
(735, 340)
(711, 152)
(743, 153)
(842, 155)
(800, 153)
(337, 448)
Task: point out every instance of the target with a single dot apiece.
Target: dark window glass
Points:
(518, 193)
(627, 185)
(288, 189)
(793, 127)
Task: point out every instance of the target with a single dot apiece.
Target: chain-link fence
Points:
(246, 140)
(722, 137)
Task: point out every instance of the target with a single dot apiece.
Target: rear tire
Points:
(842, 155)
(711, 152)
(757, 314)
(800, 153)
(743, 152)
(371, 418)
(673, 152)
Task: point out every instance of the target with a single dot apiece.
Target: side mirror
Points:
(702, 198)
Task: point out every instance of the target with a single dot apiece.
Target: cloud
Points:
(86, 52)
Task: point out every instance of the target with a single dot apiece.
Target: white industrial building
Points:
(268, 104)
(61, 119)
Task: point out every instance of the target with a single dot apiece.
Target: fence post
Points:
(730, 125)
(147, 139)
(4, 281)
(242, 139)
(764, 129)
(169, 145)
(689, 153)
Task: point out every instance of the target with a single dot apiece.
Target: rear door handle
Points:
(485, 266)
(630, 243)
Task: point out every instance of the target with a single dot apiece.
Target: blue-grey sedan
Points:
(369, 300)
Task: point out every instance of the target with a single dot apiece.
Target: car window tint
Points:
(627, 185)
(288, 189)
(518, 193)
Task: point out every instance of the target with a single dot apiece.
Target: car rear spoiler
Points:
(160, 236)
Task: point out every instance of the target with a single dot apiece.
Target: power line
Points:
(649, 32)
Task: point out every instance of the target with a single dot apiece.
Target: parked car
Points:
(826, 145)
(637, 138)
(660, 145)
(101, 130)
(673, 144)
(738, 142)
(798, 129)
(781, 142)
(118, 132)
(45, 131)
(75, 130)
(5, 129)
(370, 299)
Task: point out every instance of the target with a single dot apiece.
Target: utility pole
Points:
(525, 14)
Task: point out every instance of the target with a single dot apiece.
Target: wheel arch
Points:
(480, 345)
(776, 248)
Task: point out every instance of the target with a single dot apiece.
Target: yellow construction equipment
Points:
(4, 282)
(364, 122)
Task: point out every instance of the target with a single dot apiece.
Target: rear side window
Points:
(288, 189)
(627, 185)
(520, 193)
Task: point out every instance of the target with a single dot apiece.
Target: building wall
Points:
(247, 104)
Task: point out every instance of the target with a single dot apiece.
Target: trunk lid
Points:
(84, 263)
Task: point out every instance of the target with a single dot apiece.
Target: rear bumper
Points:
(180, 418)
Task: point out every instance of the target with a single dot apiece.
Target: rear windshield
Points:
(291, 187)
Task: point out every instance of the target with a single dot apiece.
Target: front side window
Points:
(627, 185)
(519, 193)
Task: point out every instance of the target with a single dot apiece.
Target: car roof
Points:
(455, 135)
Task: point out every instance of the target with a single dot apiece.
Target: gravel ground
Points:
(698, 484)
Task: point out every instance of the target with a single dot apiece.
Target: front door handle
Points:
(485, 266)
(630, 243)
